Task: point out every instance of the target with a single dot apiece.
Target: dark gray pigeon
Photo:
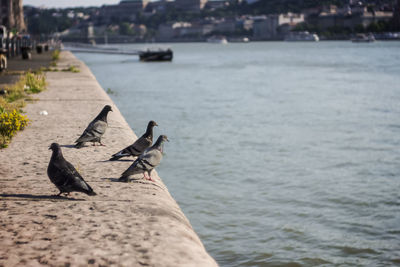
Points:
(95, 129)
(64, 175)
(140, 145)
(147, 161)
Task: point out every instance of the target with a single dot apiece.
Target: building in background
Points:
(349, 17)
(160, 6)
(12, 15)
(275, 27)
(396, 16)
(190, 5)
(125, 10)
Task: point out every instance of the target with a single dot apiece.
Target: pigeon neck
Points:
(149, 131)
(158, 144)
(57, 154)
(102, 116)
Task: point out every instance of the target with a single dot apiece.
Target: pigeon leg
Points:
(59, 194)
(147, 177)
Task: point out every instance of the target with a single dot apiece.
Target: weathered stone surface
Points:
(126, 224)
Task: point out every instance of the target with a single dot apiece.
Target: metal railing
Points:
(18, 45)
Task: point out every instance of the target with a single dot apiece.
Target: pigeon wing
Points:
(133, 169)
(76, 181)
(140, 145)
(136, 149)
(94, 131)
(57, 174)
(152, 159)
(146, 162)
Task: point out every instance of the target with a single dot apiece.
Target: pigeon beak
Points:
(167, 139)
(155, 124)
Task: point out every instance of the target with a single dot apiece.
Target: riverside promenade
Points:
(126, 224)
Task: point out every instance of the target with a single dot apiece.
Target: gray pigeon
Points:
(140, 145)
(95, 129)
(64, 175)
(147, 161)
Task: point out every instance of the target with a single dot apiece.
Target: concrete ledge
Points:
(126, 224)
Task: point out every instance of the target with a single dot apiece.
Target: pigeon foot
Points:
(148, 178)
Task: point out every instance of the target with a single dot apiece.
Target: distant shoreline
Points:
(204, 41)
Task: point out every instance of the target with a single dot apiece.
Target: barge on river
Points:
(156, 55)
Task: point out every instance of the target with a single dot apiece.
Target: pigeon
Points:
(95, 129)
(64, 175)
(140, 145)
(147, 161)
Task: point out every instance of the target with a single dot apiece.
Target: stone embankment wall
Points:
(126, 224)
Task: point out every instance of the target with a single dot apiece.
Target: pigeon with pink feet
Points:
(147, 161)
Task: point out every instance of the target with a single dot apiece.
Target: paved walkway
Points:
(126, 224)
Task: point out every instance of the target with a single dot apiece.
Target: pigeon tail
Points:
(113, 158)
(121, 154)
(88, 190)
(79, 144)
(123, 179)
(91, 193)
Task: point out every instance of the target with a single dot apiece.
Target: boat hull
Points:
(156, 56)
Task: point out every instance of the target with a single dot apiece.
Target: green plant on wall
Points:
(71, 69)
(11, 120)
(55, 55)
(34, 83)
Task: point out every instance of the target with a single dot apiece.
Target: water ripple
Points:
(287, 155)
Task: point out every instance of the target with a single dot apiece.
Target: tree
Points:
(125, 29)
(396, 17)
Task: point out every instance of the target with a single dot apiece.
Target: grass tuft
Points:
(72, 69)
(34, 82)
(56, 55)
(12, 102)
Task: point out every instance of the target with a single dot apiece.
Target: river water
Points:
(280, 154)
